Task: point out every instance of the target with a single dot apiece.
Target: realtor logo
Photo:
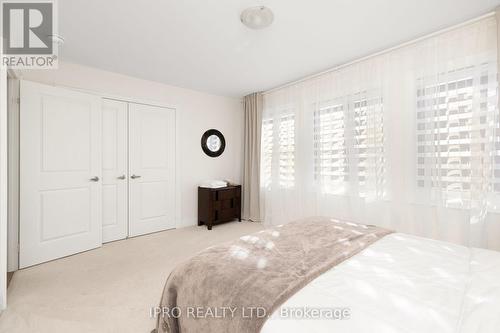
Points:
(28, 29)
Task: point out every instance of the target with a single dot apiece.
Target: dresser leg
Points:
(209, 226)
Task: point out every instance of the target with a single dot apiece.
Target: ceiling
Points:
(201, 44)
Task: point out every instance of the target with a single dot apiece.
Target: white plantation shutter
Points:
(330, 151)
(456, 121)
(278, 151)
(267, 151)
(349, 145)
(368, 145)
(286, 147)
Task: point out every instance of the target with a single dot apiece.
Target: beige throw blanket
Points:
(234, 287)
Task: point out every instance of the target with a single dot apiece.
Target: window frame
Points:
(352, 128)
(455, 197)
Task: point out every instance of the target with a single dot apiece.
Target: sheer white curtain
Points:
(408, 140)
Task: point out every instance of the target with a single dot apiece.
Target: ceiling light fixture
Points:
(259, 17)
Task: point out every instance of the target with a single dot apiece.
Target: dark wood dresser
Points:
(218, 205)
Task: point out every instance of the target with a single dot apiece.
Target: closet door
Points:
(151, 169)
(114, 170)
(60, 173)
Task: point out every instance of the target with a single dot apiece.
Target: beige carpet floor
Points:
(110, 289)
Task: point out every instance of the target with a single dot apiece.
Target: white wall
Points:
(197, 112)
(3, 188)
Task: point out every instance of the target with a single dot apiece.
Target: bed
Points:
(334, 276)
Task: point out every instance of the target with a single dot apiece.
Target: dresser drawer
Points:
(226, 194)
(225, 215)
(227, 204)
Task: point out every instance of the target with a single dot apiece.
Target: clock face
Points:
(213, 143)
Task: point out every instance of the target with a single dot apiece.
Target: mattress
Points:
(401, 283)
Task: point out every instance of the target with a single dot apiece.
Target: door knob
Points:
(135, 176)
(94, 179)
(121, 177)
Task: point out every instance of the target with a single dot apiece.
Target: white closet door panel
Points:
(60, 151)
(114, 174)
(151, 169)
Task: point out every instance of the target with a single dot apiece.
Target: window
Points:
(368, 145)
(281, 147)
(267, 152)
(456, 120)
(287, 151)
(330, 153)
(349, 144)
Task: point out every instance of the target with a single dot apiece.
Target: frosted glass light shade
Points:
(257, 17)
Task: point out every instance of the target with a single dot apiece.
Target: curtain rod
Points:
(405, 44)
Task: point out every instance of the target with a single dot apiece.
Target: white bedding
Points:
(403, 283)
